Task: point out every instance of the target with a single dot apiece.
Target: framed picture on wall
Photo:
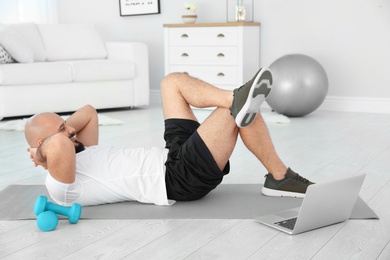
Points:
(139, 7)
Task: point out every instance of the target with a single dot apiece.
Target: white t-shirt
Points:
(108, 175)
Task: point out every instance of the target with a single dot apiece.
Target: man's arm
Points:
(85, 122)
(58, 154)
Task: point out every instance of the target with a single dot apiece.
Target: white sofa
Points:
(61, 67)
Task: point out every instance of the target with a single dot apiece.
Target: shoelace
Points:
(248, 82)
(239, 89)
(299, 178)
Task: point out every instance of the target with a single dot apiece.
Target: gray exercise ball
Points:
(300, 85)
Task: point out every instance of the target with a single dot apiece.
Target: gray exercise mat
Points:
(227, 201)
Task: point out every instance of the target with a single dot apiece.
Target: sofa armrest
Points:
(136, 52)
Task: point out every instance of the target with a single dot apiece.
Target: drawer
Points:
(203, 36)
(215, 75)
(203, 55)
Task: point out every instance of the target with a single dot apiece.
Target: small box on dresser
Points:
(223, 54)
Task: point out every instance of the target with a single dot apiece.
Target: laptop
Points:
(324, 204)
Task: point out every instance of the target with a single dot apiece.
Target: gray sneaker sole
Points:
(280, 193)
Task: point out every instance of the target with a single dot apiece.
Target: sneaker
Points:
(293, 185)
(249, 97)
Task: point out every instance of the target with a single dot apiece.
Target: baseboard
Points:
(356, 104)
(331, 103)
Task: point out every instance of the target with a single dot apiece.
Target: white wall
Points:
(350, 38)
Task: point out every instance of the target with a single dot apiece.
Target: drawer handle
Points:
(184, 35)
(221, 35)
(220, 55)
(184, 55)
(221, 74)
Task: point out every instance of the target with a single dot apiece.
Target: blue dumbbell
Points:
(73, 213)
(47, 221)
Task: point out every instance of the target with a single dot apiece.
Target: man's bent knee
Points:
(172, 79)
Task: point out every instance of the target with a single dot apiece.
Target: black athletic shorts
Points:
(191, 171)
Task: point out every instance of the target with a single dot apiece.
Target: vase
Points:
(189, 17)
(240, 11)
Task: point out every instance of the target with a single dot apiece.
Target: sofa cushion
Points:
(101, 70)
(5, 57)
(15, 45)
(30, 34)
(72, 42)
(35, 73)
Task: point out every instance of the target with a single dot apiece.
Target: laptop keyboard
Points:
(288, 223)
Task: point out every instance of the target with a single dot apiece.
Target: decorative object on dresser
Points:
(223, 54)
(239, 10)
(189, 15)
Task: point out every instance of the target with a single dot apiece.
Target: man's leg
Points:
(179, 91)
(243, 102)
(280, 180)
(219, 131)
(257, 139)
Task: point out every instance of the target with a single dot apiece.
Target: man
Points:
(193, 163)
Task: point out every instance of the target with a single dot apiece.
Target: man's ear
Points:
(40, 141)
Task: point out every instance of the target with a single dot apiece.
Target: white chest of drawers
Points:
(223, 54)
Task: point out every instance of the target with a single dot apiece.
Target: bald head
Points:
(40, 126)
